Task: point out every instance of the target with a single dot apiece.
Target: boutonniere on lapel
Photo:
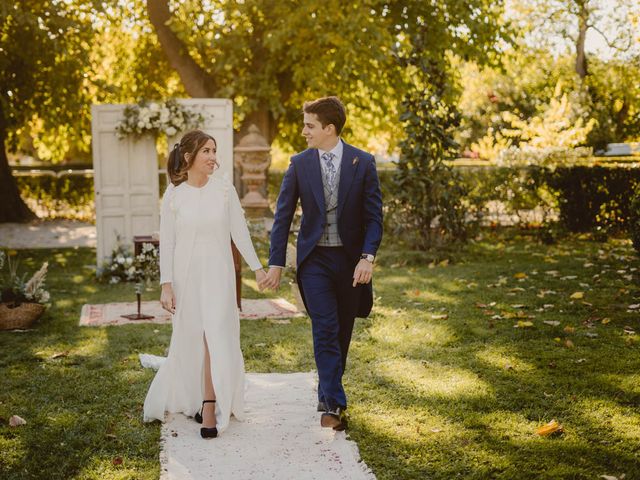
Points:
(355, 160)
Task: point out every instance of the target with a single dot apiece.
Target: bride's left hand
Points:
(261, 275)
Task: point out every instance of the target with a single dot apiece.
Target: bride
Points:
(203, 375)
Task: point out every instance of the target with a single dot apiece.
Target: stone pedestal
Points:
(252, 158)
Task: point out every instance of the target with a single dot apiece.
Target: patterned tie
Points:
(330, 170)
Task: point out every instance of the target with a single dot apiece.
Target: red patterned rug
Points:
(111, 313)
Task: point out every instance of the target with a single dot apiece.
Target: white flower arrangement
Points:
(169, 117)
(125, 267)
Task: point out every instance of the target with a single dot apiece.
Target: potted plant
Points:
(22, 301)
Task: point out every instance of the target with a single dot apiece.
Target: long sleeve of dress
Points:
(240, 231)
(167, 236)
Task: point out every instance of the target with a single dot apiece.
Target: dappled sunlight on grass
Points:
(392, 422)
(429, 295)
(607, 416)
(64, 303)
(508, 425)
(500, 358)
(628, 383)
(403, 330)
(433, 379)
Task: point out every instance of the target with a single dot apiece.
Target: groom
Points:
(340, 233)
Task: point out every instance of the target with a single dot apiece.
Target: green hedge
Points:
(68, 197)
(587, 197)
(594, 197)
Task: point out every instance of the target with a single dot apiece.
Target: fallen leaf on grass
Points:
(436, 430)
(523, 324)
(543, 293)
(443, 316)
(577, 295)
(611, 477)
(591, 335)
(581, 360)
(569, 344)
(280, 321)
(444, 263)
(634, 306)
(569, 277)
(60, 354)
(553, 323)
(16, 421)
(549, 429)
(629, 331)
(569, 329)
(117, 461)
(520, 275)
(518, 306)
(605, 321)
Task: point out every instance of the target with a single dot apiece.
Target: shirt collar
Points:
(337, 150)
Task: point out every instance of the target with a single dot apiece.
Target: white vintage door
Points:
(125, 180)
(218, 122)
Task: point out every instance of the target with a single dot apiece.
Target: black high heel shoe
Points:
(204, 431)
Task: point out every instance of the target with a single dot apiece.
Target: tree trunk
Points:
(196, 81)
(264, 120)
(12, 207)
(581, 57)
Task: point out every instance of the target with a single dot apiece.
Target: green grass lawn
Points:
(441, 384)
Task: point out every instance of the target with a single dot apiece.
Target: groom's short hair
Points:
(329, 110)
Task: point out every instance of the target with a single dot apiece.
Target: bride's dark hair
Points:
(177, 164)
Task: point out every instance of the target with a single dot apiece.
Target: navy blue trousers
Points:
(326, 277)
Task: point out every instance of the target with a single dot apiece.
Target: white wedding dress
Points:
(196, 227)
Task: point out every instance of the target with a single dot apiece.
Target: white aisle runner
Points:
(280, 439)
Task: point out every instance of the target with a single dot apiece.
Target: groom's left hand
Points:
(363, 272)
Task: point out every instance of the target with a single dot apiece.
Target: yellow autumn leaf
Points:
(523, 324)
(569, 329)
(605, 321)
(577, 295)
(520, 275)
(549, 429)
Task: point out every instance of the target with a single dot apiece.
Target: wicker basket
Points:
(21, 316)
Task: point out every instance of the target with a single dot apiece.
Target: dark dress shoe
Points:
(322, 407)
(336, 419)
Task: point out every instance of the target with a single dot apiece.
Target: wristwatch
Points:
(368, 257)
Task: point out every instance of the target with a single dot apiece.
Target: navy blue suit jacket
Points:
(359, 210)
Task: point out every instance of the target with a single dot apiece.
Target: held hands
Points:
(261, 275)
(167, 298)
(363, 272)
(271, 279)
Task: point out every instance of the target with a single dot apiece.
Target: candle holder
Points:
(139, 315)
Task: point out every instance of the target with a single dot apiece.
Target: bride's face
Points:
(205, 162)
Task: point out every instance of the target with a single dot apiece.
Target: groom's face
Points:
(316, 135)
